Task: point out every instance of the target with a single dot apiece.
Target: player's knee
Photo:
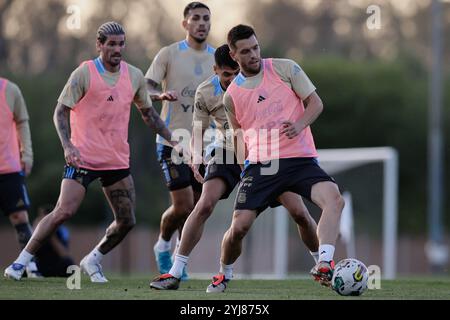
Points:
(62, 214)
(206, 207)
(18, 217)
(239, 231)
(337, 203)
(183, 210)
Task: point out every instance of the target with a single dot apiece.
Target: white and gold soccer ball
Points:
(350, 277)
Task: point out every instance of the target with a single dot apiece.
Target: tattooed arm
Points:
(152, 119)
(61, 121)
(157, 95)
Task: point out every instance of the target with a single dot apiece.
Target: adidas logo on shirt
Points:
(261, 99)
(110, 98)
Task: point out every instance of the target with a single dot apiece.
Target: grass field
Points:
(138, 288)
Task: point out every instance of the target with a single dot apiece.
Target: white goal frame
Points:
(337, 160)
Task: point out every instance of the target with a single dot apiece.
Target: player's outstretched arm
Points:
(61, 121)
(158, 95)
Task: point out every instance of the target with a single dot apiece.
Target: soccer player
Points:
(276, 98)
(222, 172)
(180, 68)
(16, 162)
(91, 118)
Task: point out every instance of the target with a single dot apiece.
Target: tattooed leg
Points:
(122, 199)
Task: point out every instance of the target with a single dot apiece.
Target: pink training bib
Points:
(9, 144)
(99, 122)
(261, 111)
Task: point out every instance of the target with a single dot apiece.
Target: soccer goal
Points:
(335, 161)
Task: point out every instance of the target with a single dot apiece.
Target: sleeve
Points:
(22, 125)
(158, 68)
(141, 96)
(230, 112)
(290, 72)
(76, 87)
(201, 113)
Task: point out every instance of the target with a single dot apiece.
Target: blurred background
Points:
(371, 60)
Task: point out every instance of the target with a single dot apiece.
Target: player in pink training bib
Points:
(97, 100)
(270, 106)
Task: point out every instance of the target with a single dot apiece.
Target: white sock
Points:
(326, 252)
(24, 258)
(95, 256)
(227, 270)
(163, 245)
(178, 265)
(315, 256)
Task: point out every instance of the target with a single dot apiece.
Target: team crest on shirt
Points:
(242, 197)
(174, 173)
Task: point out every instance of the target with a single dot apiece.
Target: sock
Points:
(24, 258)
(162, 245)
(326, 252)
(24, 232)
(227, 270)
(95, 256)
(178, 265)
(315, 256)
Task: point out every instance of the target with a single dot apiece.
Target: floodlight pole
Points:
(436, 251)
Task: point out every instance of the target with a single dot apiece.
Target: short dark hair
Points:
(108, 29)
(223, 58)
(239, 32)
(193, 5)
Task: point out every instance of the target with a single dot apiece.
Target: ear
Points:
(233, 55)
(184, 24)
(98, 45)
(216, 69)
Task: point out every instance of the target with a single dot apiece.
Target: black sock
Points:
(24, 233)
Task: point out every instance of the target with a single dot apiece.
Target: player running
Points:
(97, 100)
(180, 68)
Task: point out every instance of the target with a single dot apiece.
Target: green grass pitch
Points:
(138, 288)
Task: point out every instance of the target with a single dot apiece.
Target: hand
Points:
(169, 96)
(291, 129)
(195, 169)
(72, 156)
(26, 167)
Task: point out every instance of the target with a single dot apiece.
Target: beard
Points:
(252, 69)
(199, 40)
(113, 62)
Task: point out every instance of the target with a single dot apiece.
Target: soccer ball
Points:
(350, 277)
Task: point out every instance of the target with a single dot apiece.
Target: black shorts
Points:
(298, 175)
(86, 176)
(177, 176)
(13, 193)
(228, 172)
